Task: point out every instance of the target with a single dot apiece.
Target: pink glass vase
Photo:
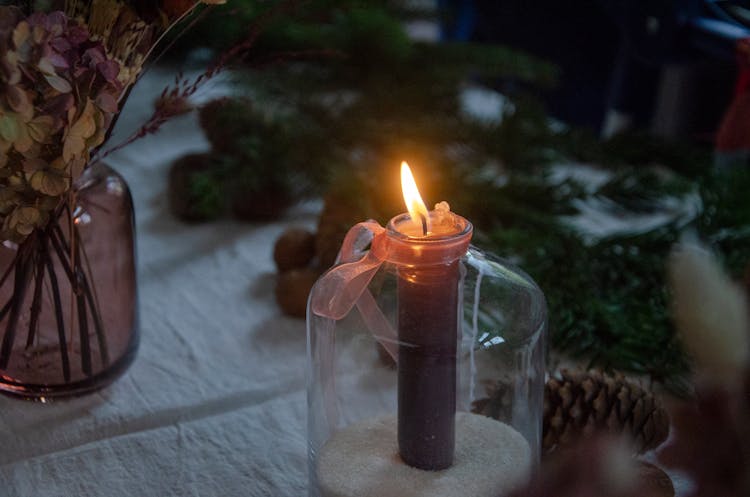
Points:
(68, 295)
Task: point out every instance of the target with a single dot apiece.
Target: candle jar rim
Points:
(465, 228)
(437, 248)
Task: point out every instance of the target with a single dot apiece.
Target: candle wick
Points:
(424, 224)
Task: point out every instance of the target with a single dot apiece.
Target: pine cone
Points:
(582, 403)
(498, 402)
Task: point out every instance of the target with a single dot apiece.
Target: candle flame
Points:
(414, 204)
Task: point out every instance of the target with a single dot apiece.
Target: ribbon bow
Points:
(345, 285)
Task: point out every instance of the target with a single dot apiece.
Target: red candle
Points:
(426, 247)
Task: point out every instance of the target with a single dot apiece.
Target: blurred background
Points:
(664, 65)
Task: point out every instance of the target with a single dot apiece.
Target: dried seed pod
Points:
(292, 290)
(294, 249)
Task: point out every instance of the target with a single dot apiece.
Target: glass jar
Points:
(412, 344)
(74, 328)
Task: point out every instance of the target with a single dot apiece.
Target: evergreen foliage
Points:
(370, 97)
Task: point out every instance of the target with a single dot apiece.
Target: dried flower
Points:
(59, 95)
(710, 312)
(62, 75)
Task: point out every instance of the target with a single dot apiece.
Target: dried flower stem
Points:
(72, 270)
(8, 271)
(5, 309)
(125, 94)
(84, 333)
(77, 275)
(21, 283)
(93, 301)
(36, 302)
(33, 265)
(58, 314)
(174, 100)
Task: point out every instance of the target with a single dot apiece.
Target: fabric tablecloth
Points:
(214, 404)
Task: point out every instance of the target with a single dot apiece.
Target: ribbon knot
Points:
(345, 285)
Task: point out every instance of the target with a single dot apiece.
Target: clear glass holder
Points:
(404, 340)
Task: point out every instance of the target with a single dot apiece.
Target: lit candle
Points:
(429, 246)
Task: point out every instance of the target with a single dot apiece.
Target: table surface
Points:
(214, 404)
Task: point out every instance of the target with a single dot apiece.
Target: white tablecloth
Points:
(214, 404)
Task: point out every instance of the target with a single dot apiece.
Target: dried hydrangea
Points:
(58, 96)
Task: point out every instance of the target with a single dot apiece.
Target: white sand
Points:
(491, 460)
